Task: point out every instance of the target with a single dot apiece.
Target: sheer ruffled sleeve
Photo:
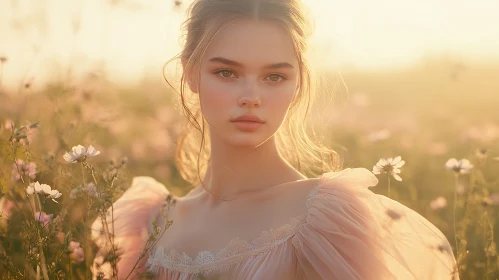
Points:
(352, 233)
(134, 212)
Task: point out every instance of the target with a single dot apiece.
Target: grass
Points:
(427, 114)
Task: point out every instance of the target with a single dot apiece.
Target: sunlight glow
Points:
(131, 39)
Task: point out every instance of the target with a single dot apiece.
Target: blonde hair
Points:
(294, 142)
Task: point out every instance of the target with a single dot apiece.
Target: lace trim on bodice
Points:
(237, 250)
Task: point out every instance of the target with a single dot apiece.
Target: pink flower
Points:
(73, 245)
(28, 169)
(76, 252)
(42, 217)
(438, 203)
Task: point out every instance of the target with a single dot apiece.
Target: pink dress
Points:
(347, 232)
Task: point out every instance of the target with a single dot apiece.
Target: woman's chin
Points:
(249, 140)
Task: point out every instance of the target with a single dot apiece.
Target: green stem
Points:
(83, 174)
(44, 262)
(388, 184)
(70, 268)
(454, 214)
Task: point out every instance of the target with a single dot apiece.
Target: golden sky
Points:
(131, 38)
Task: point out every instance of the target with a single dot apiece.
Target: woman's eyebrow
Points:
(237, 64)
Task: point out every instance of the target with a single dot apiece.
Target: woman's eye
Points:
(225, 73)
(275, 77)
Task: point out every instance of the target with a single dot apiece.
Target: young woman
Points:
(246, 90)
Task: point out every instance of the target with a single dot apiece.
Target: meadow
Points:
(428, 114)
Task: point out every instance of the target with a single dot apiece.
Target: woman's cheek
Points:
(216, 97)
(282, 96)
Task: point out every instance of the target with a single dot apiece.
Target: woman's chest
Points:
(199, 237)
(227, 233)
(276, 261)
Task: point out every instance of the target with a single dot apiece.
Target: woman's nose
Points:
(250, 101)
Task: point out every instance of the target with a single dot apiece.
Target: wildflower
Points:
(462, 166)
(390, 166)
(43, 189)
(54, 194)
(438, 203)
(43, 218)
(20, 168)
(76, 253)
(80, 154)
(90, 189)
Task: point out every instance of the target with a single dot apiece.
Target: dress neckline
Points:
(236, 249)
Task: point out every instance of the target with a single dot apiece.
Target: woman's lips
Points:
(247, 125)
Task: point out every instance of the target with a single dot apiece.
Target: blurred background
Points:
(129, 40)
(419, 79)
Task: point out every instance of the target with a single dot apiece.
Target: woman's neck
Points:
(234, 171)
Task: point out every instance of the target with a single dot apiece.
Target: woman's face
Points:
(250, 68)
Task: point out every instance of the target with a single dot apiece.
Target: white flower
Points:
(80, 154)
(43, 189)
(55, 194)
(390, 166)
(36, 187)
(438, 203)
(461, 166)
(30, 190)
